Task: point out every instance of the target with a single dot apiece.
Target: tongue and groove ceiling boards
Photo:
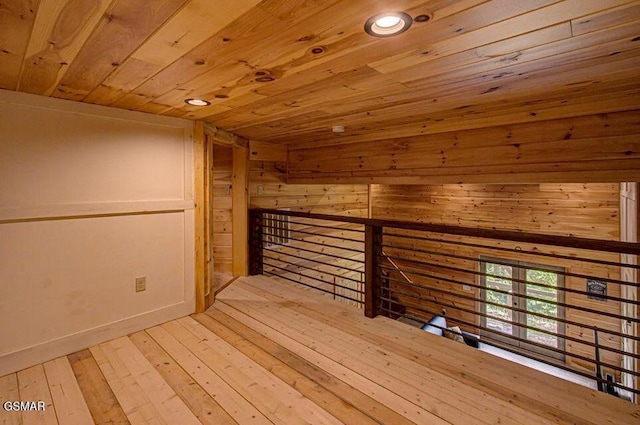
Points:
(472, 64)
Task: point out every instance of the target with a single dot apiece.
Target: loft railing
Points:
(326, 256)
(569, 302)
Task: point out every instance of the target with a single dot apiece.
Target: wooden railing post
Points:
(372, 252)
(255, 242)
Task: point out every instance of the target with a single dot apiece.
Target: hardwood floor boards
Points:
(270, 352)
(98, 396)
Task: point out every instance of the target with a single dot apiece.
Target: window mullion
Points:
(521, 290)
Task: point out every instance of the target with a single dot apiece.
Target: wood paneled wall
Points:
(580, 210)
(594, 148)
(268, 187)
(590, 210)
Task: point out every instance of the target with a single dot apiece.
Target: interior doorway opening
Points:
(221, 229)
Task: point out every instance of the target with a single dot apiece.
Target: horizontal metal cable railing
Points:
(325, 255)
(568, 302)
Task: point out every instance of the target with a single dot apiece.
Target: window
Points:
(515, 295)
(277, 230)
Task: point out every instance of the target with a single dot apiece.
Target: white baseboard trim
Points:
(35, 354)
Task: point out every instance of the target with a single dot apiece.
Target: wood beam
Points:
(265, 151)
(240, 202)
(203, 285)
(224, 137)
(592, 148)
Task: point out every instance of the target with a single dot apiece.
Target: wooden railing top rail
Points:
(514, 236)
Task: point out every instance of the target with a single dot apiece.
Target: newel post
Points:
(255, 242)
(372, 283)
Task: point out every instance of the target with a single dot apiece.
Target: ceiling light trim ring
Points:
(388, 24)
(197, 102)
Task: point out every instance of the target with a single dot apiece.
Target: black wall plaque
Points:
(597, 289)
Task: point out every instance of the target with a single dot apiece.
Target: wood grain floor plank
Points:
(311, 389)
(276, 400)
(71, 408)
(32, 383)
(402, 406)
(433, 384)
(423, 388)
(563, 400)
(9, 392)
(135, 403)
(101, 401)
(206, 409)
(341, 389)
(170, 407)
(453, 373)
(231, 401)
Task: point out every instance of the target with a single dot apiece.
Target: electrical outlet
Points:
(141, 284)
(466, 288)
(260, 190)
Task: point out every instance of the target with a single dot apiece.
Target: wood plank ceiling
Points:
(472, 63)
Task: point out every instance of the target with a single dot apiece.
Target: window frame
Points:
(519, 269)
(279, 229)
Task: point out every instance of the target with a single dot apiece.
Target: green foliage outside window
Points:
(504, 283)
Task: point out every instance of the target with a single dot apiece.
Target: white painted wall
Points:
(90, 198)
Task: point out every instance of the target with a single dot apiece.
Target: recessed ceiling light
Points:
(388, 21)
(197, 102)
(337, 129)
(388, 24)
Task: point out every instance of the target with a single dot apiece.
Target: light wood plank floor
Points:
(270, 352)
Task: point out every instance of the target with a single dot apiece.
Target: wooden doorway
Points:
(221, 203)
